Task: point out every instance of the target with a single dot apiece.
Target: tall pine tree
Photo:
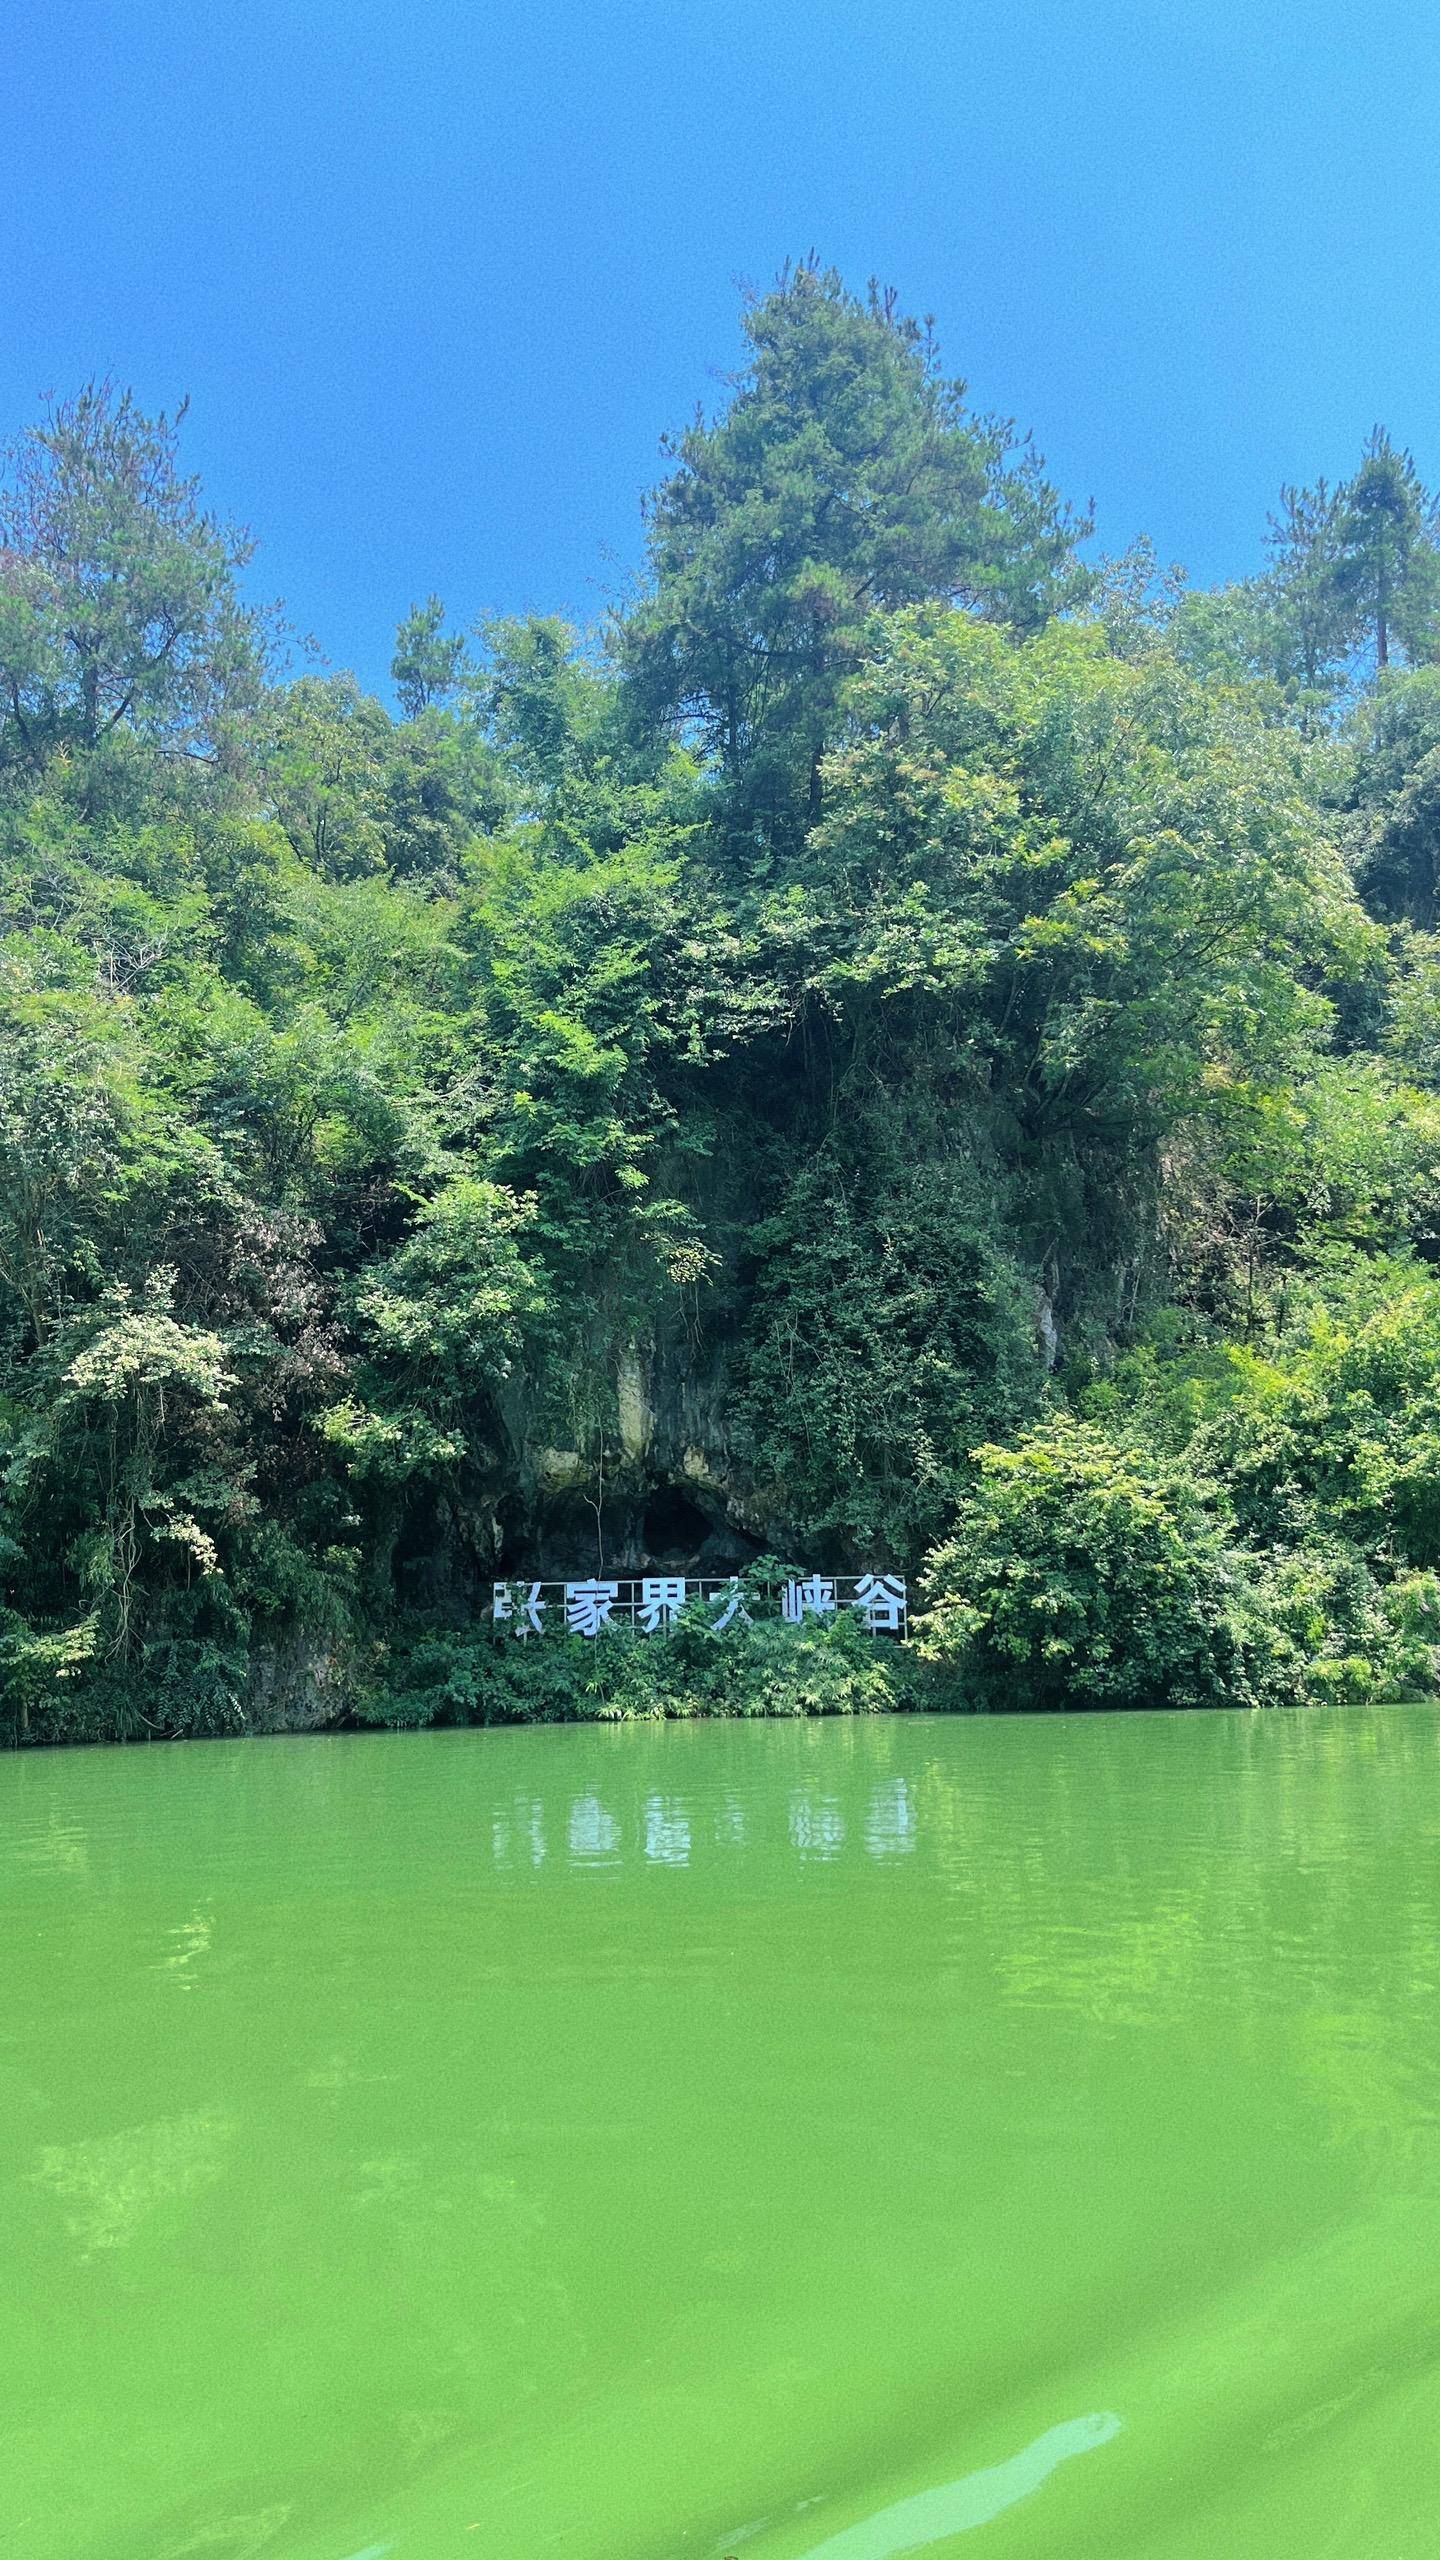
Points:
(846, 476)
(1386, 574)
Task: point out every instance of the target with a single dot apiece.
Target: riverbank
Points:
(428, 1676)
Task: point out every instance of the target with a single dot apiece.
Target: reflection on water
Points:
(593, 1833)
(579, 2139)
(667, 1831)
(890, 1819)
(110, 2186)
(914, 2524)
(817, 1825)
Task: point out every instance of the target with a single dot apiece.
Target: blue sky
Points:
(437, 275)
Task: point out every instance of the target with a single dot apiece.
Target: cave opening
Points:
(662, 1529)
(674, 1529)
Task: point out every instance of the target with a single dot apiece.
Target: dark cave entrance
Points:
(674, 1529)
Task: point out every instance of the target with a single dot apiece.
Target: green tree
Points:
(1312, 621)
(429, 664)
(1103, 877)
(70, 1094)
(442, 1319)
(126, 1430)
(1393, 797)
(35, 1661)
(847, 476)
(549, 709)
(119, 607)
(325, 774)
(1387, 558)
(1082, 1575)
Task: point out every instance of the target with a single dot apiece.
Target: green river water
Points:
(801, 2142)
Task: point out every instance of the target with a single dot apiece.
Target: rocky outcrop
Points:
(299, 1687)
(658, 1486)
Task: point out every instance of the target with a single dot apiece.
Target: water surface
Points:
(796, 2142)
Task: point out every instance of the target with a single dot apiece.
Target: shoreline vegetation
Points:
(914, 1047)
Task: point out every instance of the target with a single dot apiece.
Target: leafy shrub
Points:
(471, 1676)
(1082, 1575)
(164, 1692)
(1336, 1634)
(890, 1330)
(1339, 1421)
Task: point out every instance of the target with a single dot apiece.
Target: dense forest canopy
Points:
(908, 1048)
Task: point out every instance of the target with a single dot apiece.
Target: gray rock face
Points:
(663, 1490)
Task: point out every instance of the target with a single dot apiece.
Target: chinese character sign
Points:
(588, 1606)
(880, 1599)
(812, 1599)
(521, 1603)
(653, 1602)
(661, 1602)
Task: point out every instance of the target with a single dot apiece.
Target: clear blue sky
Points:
(437, 273)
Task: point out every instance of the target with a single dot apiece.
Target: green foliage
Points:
(1082, 1575)
(1387, 565)
(1353, 585)
(35, 1665)
(119, 609)
(1338, 1421)
(171, 1690)
(1090, 1570)
(903, 1048)
(1311, 622)
(827, 1668)
(429, 662)
(888, 1331)
(1394, 814)
(68, 1096)
(846, 477)
(440, 1320)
